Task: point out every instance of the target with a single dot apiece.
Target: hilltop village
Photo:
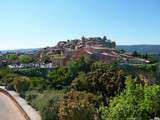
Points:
(87, 77)
(96, 48)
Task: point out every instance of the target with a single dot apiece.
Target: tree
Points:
(50, 110)
(46, 58)
(103, 80)
(57, 77)
(77, 105)
(37, 83)
(136, 102)
(146, 56)
(73, 69)
(6, 78)
(25, 58)
(106, 79)
(76, 66)
(12, 57)
(64, 76)
(104, 38)
(21, 85)
(135, 54)
(81, 83)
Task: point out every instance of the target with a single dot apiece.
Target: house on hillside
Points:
(59, 60)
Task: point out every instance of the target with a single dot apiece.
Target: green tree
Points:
(12, 57)
(104, 79)
(136, 102)
(25, 58)
(46, 58)
(6, 78)
(57, 77)
(81, 83)
(22, 84)
(37, 83)
(76, 66)
(73, 69)
(104, 38)
(135, 54)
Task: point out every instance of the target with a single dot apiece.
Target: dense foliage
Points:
(77, 105)
(46, 102)
(63, 76)
(136, 102)
(151, 57)
(86, 89)
(25, 58)
(103, 79)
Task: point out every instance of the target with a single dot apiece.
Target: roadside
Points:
(31, 113)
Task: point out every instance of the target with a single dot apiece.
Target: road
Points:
(8, 109)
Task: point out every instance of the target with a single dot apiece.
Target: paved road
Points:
(8, 110)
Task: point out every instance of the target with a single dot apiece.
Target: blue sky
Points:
(40, 23)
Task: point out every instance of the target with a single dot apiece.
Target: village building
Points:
(94, 47)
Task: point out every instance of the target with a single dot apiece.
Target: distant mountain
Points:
(152, 49)
(19, 50)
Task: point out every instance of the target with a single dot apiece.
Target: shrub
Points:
(136, 102)
(38, 83)
(81, 83)
(77, 105)
(57, 77)
(104, 79)
(21, 85)
(25, 58)
(47, 103)
(7, 78)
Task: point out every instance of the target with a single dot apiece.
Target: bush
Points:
(57, 77)
(31, 95)
(81, 83)
(38, 83)
(47, 103)
(21, 85)
(33, 72)
(77, 105)
(104, 79)
(25, 58)
(136, 102)
(7, 78)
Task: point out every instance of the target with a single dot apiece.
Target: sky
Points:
(41, 23)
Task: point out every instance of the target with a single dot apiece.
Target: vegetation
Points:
(21, 85)
(12, 57)
(135, 102)
(46, 58)
(25, 58)
(9, 57)
(103, 79)
(151, 57)
(85, 89)
(63, 76)
(77, 105)
(47, 102)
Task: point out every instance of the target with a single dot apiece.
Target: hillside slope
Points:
(153, 49)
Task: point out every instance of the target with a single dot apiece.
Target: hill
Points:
(152, 49)
(19, 50)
